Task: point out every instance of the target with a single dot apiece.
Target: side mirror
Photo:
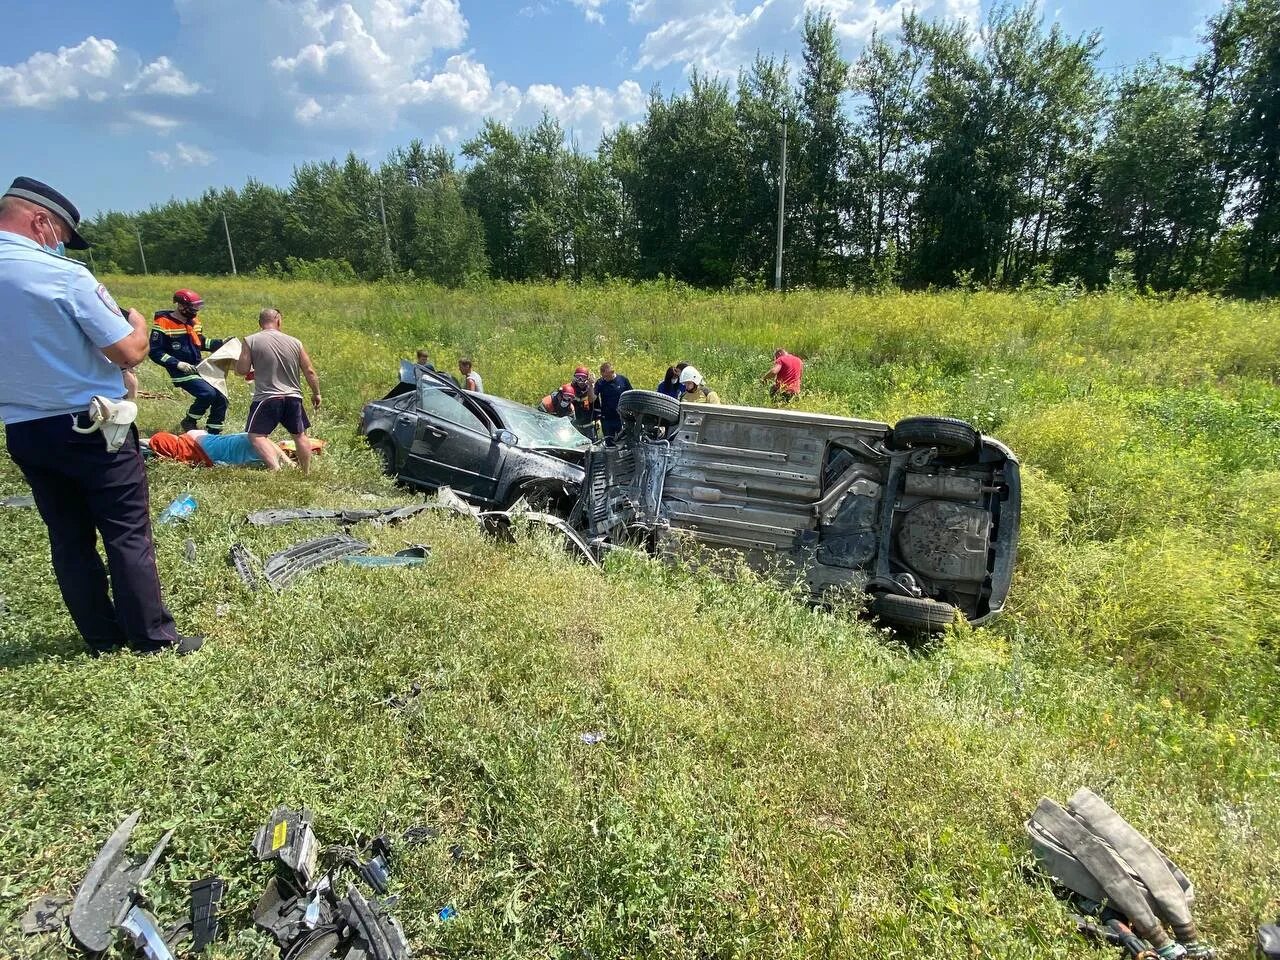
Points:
(508, 438)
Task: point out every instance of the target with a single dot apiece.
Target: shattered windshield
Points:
(538, 429)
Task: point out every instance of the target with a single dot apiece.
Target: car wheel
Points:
(649, 403)
(912, 613)
(953, 438)
(385, 448)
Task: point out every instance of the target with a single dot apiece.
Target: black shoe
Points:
(183, 646)
(188, 423)
(100, 648)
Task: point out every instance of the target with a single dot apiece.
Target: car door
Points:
(450, 445)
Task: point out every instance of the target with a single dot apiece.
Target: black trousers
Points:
(81, 490)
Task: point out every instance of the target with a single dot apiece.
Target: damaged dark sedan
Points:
(430, 433)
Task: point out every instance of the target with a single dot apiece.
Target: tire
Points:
(912, 613)
(386, 451)
(953, 438)
(649, 403)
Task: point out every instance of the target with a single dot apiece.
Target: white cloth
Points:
(215, 367)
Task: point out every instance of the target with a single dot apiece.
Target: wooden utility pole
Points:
(142, 253)
(231, 253)
(386, 237)
(782, 204)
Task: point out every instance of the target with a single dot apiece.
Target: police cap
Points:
(43, 195)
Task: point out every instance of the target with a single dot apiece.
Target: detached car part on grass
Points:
(345, 516)
(301, 908)
(109, 899)
(923, 515)
(1115, 873)
(430, 433)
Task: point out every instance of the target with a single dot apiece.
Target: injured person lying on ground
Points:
(202, 449)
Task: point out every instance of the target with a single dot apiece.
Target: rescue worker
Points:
(584, 392)
(785, 373)
(177, 341)
(63, 342)
(695, 388)
(562, 402)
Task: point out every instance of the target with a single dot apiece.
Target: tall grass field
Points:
(774, 780)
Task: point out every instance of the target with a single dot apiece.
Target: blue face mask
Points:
(58, 250)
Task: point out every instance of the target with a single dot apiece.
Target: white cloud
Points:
(152, 121)
(96, 70)
(725, 35)
(181, 155)
(163, 78)
(306, 76)
(463, 93)
(44, 78)
(590, 9)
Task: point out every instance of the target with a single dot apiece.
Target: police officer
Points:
(177, 340)
(64, 341)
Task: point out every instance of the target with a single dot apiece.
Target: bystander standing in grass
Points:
(609, 389)
(470, 378)
(64, 344)
(278, 362)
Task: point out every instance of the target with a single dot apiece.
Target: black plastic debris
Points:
(46, 915)
(376, 935)
(399, 700)
(311, 919)
(206, 896)
(245, 563)
(291, 915)
(284, 567)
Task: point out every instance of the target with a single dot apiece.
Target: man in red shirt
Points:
(785, 373)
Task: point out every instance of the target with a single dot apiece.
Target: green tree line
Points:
(941, 155)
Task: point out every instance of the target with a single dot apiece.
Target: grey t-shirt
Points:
(277, 361)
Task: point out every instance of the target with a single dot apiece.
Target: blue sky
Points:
(125, 104)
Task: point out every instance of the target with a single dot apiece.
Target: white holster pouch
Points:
(113, 418)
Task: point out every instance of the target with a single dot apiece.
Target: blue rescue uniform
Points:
(55, 319)
(175, 340)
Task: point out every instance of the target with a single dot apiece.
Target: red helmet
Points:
(581, 372)
(189, 299)
(567, 388)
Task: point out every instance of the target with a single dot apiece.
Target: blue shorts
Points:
(271, 412)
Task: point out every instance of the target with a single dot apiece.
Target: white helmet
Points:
(690, 375)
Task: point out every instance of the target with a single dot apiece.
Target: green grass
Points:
(776, 781)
